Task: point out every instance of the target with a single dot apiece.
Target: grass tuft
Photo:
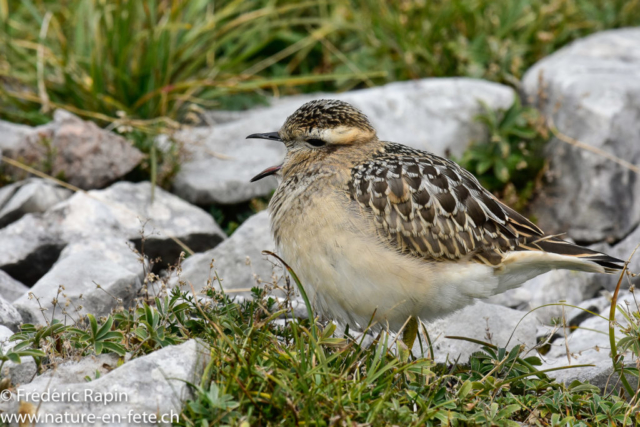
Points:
(149, 68)
(265, 372)
(269, 368)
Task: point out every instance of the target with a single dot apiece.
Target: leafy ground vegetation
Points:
(511, 162)
(144, 68)
(269, 368)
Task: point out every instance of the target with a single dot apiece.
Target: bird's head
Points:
(316, 129)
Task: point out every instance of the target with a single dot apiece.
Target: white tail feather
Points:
(518, 267)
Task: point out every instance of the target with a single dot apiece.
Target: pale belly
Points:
(351, 277)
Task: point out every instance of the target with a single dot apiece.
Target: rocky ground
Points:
(51, 236)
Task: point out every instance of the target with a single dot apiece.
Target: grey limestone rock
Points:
(591, 92)
(9, 316)
(155, 385)
(33, 195)
(431, 114)
(238, 260)
(482, 321)
(32, 244)
(86, 155)
(95, 278)
(10, 288)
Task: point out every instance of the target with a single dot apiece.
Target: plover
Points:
(376, 228)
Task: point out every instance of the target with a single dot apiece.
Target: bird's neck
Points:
(306, 181)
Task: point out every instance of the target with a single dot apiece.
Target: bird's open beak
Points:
(273, 136)
(268, 171)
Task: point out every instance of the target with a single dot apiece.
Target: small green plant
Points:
(41, 339)
(18, 351)
(100, 338)
(495, 40)
(230, 217)
(155, 329)
(631, 331)
(96, 375)
(511, 161)
(212, 402)
(138, 331)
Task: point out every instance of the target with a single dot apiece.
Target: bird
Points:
(383, 234)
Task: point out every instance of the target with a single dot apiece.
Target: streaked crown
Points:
(336, 122)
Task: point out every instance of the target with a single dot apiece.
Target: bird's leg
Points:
(408, 338)
(410, 332)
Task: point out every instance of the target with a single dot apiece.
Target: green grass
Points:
(145, 68)
(301, 374)
(149, 63)
(495, 40)
(510, 163)
(298, 373)
(160, 61)
(269, 368)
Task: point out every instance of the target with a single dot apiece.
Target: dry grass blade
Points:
(42, 90)
(612, 337)
(617, 363)
(572, 141)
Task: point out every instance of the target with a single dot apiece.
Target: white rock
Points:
(80, 270)
(572, 287)
(574, 317)
(32, 244)
(590, 90)
(5, 334)
(7, 191)
(481, 321)
(34, 195)
(601, 375)
(87, 156)
(431, 114)
(9, 316)
(587, 343)
(151, 384)
(589, 308)
(10, 288)
(238, 260)
(28, 250)
(590, 342)
(514, 298)
(118, 251)
(623, 250)
(20, 373)
(11, 135)
(124, 208)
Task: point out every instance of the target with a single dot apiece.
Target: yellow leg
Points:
(408, 338)
(410, 333)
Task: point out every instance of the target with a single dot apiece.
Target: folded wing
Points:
(432, 208)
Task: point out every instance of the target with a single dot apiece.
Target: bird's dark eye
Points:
(316, 142)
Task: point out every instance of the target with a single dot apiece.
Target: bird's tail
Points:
(548, 253)
(575, 256)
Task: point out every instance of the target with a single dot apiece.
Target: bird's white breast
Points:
(349, 273)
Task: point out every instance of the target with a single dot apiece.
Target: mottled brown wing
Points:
(431, 207)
